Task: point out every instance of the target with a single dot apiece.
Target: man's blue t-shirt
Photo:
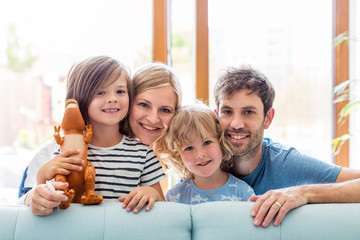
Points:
(282, 167)
(187, 192)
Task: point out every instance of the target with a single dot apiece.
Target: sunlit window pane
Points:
(182, 40)
(354, 56)
(39, 41)
(291, 43)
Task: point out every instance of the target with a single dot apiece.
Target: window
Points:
(39, 42)
(354, 55)
(291, 43)
(182, 46)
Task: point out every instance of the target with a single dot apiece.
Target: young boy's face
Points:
(110, 104)
(202, 157)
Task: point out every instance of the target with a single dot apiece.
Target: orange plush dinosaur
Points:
(73, 126)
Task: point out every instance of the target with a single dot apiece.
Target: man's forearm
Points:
(344, 192)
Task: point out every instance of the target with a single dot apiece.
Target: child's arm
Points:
(61, 164)
(140, 196)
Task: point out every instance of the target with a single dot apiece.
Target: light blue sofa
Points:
(214, 220)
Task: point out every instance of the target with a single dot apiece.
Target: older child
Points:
(195, 148)
(101, 86)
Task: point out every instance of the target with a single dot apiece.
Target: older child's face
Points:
(202, 157)
(152, 112)
(110, 104)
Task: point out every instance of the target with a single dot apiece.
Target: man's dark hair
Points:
(245, 77)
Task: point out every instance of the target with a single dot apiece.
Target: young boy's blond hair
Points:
(191, 118)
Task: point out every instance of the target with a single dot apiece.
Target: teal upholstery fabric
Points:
(212, 220)
(323, 221)
(105, 221)
(221, 220)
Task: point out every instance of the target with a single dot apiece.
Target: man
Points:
(244, 99)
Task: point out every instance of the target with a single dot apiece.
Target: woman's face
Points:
(151, 113)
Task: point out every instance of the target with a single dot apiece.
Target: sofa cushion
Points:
(232, 220)
(8, 219)
(228, 220)
(104, 221)
(322, 221)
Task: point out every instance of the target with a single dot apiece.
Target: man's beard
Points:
(252, 147)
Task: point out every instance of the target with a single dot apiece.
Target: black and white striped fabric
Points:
(121, 168)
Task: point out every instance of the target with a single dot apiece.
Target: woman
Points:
(157, 95)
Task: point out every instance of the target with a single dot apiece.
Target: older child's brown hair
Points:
(85, 78)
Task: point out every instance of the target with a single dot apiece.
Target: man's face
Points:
(242, 117)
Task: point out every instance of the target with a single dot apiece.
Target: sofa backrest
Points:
(228, 220)
(232, 220)
(105, 221)
(213, 220)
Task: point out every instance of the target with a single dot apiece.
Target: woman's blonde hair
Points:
(150, 76)
(191, 118)
(155, 75)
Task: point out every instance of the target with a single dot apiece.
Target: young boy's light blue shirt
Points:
(187, 192)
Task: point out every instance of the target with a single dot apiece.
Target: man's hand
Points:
(276, 204)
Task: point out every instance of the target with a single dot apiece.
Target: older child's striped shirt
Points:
(122, 167)
(119, 168)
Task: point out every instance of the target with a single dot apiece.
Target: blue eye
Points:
(208, 142)
(188, 148)
(165, 110)
(100, 93)
(144, 105)
(121, 91)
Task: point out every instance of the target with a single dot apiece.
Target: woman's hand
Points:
(42, 199)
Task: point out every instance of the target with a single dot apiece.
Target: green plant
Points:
(341, 93)
(20, 57)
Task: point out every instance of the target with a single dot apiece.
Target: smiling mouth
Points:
(204, 163)
(147, 127)
(237, 137)
(111, 110)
